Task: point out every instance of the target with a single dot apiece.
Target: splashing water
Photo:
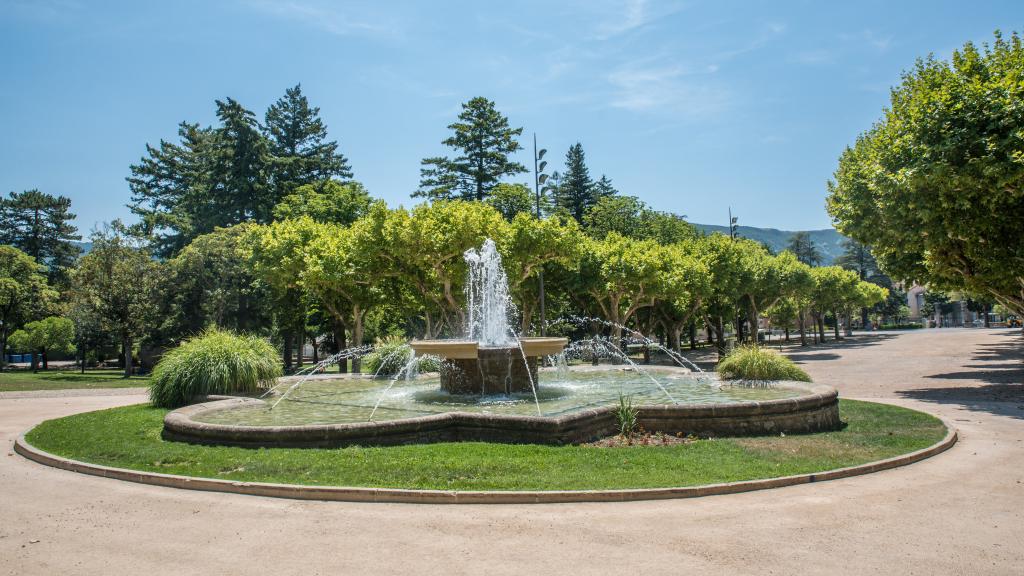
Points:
(487, 299)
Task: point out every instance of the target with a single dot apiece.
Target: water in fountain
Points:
(675, 356)
(487, 300)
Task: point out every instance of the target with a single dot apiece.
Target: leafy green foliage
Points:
(513, 199)
(759, 364)
(216, 362)
(51, 334)
(936, 187)
(326, 201)
(24, 293)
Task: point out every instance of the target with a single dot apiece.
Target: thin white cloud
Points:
(343, 20)
(670, 89)
(623, 16)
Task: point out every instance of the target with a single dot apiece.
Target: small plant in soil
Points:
(627, 416)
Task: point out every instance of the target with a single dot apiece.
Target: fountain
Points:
(489, 389)
(492, 360)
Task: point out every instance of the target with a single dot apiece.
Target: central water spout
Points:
(487, 298)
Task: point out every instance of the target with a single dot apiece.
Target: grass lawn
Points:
(67, 379)
(129, 437)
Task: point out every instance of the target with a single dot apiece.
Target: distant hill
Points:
(828, 241)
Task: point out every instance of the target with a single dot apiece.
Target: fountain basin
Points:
(792, 407)
(469, 368)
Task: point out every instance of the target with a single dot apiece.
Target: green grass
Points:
(756, 363)
(129, 437)
(53, 379)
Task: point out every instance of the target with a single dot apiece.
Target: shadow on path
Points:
(999, 366)
(1001, 399)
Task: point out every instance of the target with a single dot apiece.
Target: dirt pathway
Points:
(959, 513)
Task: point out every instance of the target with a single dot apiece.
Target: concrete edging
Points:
(397, 495)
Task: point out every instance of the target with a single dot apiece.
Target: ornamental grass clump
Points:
(216, 362)
(392, 353)
(759, 364)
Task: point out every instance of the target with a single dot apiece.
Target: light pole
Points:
(538, 179)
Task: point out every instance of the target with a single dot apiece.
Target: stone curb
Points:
(396, 495)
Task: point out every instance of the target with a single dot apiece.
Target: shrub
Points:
(216, 362)
(754, 363)
(389, 352)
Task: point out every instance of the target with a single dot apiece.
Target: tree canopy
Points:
(936, 186)
(40, 225)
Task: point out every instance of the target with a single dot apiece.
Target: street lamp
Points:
(539, 178)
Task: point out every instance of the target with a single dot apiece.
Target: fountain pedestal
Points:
(468, 368)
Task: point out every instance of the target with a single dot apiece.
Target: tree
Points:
(40, 225)
(51, 334)
(576, 192)
(936, 187)
(170, 188)
(338, 273)
(802, 246)
(276, 253)
(857, 256)
(512, 199)
(211, 284)
(483, 139)
(626, 275)
(239, 172)
(603, 188)
(629, 216)
(24, 293)
(116, 280)
(531, 245)
(834, 288)
(770, 279)
(301, 153)
(326, 201)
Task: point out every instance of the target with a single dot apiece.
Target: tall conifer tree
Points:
(301, 153)
(484, 141)
(39, 224)
(576, 193)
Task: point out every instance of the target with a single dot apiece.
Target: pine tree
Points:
(802, 246)
(576, 193)
(603, 188)
(240, 168)
(301, 153)
(484, 141)
(40, 225)
(171, 189)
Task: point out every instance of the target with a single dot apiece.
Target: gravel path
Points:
(961, 512)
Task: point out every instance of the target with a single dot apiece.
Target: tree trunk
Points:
(803, 328)
(835, 313)
(821, 328)
(83, 352)
(127, 344)
(720, 337)
(340, 344)
(693, 336)
(787, 333)
(755, 328)
(357, 339)
(46, 359)
(35, 362)
(985, 311)
(286, 351)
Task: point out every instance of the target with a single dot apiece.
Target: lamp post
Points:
(539, 178)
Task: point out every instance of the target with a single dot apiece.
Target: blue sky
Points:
(692, 106)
